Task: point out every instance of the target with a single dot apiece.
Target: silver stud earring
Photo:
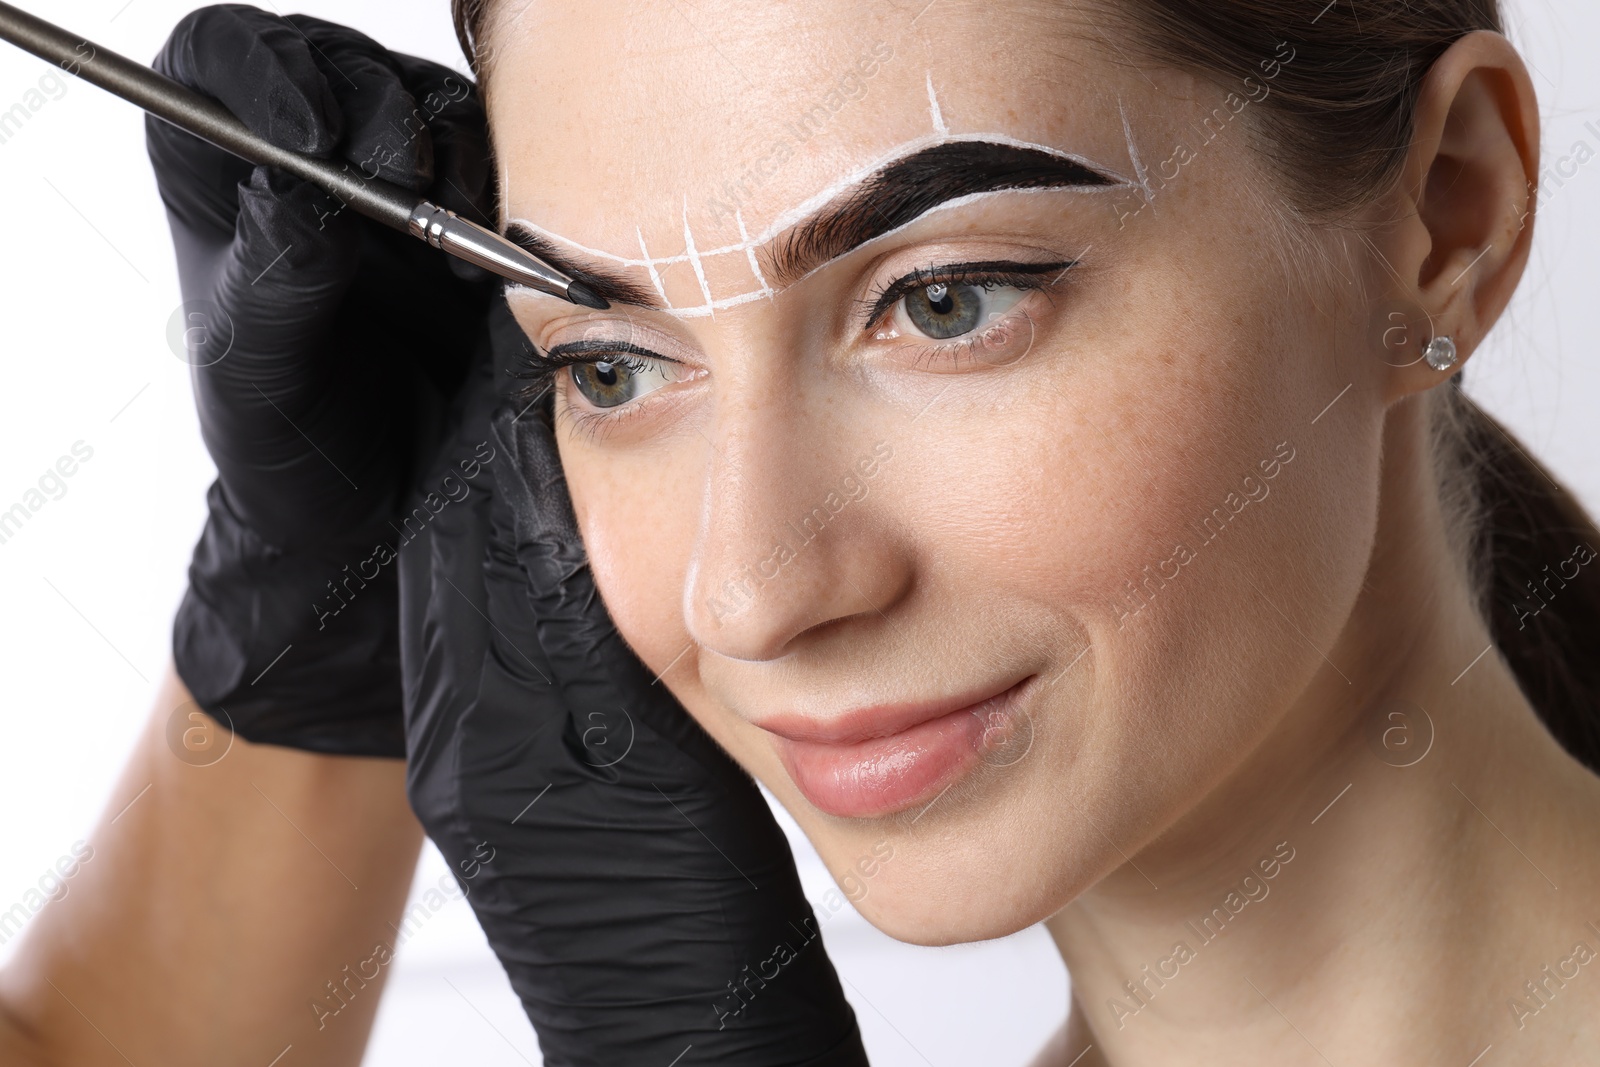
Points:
(1440, 353)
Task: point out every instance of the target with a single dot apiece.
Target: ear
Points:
(1463, 215)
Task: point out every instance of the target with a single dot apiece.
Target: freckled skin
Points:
(1037, 498)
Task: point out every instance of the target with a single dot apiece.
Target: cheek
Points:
(1191, 555)
(1069, 480)
(1114, 498)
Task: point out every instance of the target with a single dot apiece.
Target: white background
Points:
(88, 588)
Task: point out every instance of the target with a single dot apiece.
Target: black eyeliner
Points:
(537, 365)
(991, 272)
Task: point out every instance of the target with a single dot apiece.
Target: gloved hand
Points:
(628, 874)
(324, 345)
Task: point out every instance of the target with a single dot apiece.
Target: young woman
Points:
(1026, 436)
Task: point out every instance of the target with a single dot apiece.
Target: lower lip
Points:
(883, 775)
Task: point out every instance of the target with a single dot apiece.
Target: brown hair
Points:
(1336, 128)
(469, 18)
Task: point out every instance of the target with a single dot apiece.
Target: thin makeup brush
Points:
(384, 201)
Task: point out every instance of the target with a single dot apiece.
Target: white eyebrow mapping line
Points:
(766, 292)
(812, 205)
(694, 257)
(655, 275)
(750, 253)
(796, 214)
(941, 136)
(934, 110)
(711, 307)
(948, 205)
(1133, 152)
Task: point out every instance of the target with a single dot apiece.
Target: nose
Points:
(797, 532)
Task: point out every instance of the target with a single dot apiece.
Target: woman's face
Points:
(1067, 445)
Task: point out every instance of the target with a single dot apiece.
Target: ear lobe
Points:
(1471, 177)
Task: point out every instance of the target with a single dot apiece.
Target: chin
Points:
(944, 900)
(911, 920)
(984, 864)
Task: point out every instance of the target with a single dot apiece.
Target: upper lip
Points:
(876, 720)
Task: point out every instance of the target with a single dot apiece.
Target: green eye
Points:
(944, 311)
(605, 385)
(612, 383)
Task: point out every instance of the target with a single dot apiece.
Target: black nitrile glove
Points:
(336, 339)
(629, 875)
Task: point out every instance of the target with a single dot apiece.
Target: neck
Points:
(1379, 879)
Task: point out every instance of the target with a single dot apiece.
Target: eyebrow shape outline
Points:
(889, 197)
(910, 188)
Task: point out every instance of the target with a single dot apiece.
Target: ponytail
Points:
(1535, 558)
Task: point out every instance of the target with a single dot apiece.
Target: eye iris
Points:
(605, 385)
(944, 310)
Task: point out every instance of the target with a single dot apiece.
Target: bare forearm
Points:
(18, 1047)
(219, 903)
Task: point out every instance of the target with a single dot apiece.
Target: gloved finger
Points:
(394, 108)
(603, 745)
(665, 874)
(283, 382)
(467, 750)
(621, 911)
(453, 108)
(412, 122)
(259, 68)
(595, 667)
(619, 709)
(286, 269)
(386, 132)
(618, 922)
(624, 914)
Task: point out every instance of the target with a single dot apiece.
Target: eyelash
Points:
(539, 367)
(1027, 277)
(990, 275)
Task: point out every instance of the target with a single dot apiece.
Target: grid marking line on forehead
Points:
(655, 275)
(790, 217)
(694, 261)
(750, 253)
(748, 245)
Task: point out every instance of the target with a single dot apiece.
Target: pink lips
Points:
(877, 760)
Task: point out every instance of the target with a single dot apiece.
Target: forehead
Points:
(659, 130)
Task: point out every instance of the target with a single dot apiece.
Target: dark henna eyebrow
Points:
(892, 196)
